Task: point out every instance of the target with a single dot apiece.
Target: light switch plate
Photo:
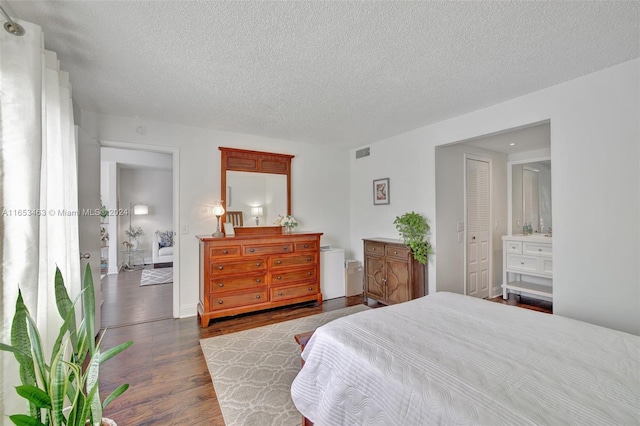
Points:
(460, 227)
(185, 229)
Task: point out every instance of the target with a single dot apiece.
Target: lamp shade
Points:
(139, 209)
(218, 210)
(256, 211)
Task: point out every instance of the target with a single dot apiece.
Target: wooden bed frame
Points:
(302, 339)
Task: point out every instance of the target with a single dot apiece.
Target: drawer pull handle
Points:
(257, 280)
(308, 273)
(306, 246)
(285, 248)
(539, 249)
(310, 288)
(220, 285)
(225, 251)
(278, 277)
(220, 302)
(257, 263)
(220, 267)
(513, 247)
(522, 263)
(395, 252)
(278, 262)
(251, 250)
(257, 296)
(279, 293)
(308, 259)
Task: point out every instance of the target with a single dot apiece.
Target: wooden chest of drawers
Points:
(249, 273)
(392, 275)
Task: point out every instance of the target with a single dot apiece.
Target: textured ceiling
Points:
(337, 73)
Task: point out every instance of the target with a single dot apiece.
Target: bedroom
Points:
(594, 128)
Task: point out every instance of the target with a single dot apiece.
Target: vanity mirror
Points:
(530, 196)
(255, 185)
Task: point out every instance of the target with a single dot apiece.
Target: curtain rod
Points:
(10, 26)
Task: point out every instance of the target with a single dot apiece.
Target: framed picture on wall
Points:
(381, 191)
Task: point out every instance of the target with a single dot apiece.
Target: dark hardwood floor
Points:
(169, 380)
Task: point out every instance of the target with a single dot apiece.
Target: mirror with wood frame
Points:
(255, 189)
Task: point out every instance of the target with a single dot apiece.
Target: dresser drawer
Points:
(537, 249)
(513, 247)
(281, 293)
(219, 267)
(373, 248)
(237, 300)
(225, 284)
(397, 252)
(223, 252)
(293, 276)
(547, 266)
(522, 263)
(268, 249)
(286, 261)
(306, 246)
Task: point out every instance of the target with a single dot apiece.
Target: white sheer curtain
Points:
(38, 191)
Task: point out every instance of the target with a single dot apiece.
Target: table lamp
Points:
(257, 212)
(218, 211)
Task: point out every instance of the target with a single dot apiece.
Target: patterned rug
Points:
(252, 370)
(156, 276)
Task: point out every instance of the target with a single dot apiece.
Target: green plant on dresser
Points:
(63, 389)
(413, 229)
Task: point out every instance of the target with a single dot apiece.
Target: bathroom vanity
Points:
(528, 265)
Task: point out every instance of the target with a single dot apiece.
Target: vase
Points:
(287, 230)
(134, 244)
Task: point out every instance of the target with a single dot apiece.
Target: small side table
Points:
(131, 256)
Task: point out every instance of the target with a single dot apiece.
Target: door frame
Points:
(464, 239)
(175, 152)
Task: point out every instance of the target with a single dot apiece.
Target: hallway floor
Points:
(126, 302)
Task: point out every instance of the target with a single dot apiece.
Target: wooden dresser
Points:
(392, 275)
(254, 272)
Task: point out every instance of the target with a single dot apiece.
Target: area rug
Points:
(156, 276)
(252, 370)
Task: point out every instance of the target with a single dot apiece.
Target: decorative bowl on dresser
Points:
(252, 272)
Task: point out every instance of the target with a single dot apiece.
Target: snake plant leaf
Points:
(64, 305)
(58, 384)
(20, 341)
(34, 395)
(113, 395)
(36, 349)
(110, 353)
(92, 373)
(89, 305)
(24, 420)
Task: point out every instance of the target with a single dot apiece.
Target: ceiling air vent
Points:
(364, 152)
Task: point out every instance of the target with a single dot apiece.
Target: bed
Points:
(451, 359)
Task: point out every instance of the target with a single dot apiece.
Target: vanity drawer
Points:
(219, 268)
(225, 284)
(268, 249)
(293, 276)
(514, 247)
(280, 293)
(222, 252)
(537, 249)
(547, 266)
(522, 263)
(373, 248)
(237, 300)
(286, 261)
(307, 246)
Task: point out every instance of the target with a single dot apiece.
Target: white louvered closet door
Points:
(477, 184)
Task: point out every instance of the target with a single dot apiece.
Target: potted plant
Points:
(413, 229)
(133, 232)
(289, 222)
(63, 387)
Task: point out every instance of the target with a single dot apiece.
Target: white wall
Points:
(320, 190)
(595, 151)
(152, 187)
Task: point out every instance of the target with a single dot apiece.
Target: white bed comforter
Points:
(456, 360)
